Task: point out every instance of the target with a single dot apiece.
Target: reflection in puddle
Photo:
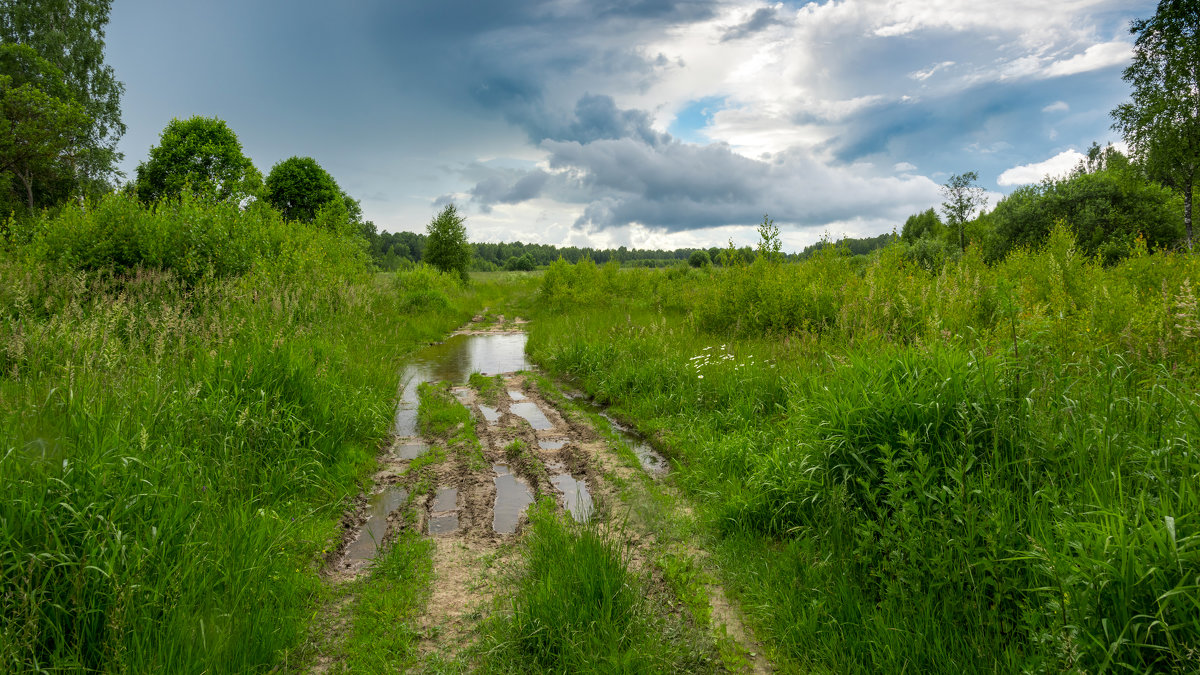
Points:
(532, 414)
(446, 500)
(463, 394)
(489, 413)
(411, 450)
(552, 443)
(575, 494)
(454, 360)
(379, 506)
(516, 395)
(443, 524)
(512, 496)
(650, 459)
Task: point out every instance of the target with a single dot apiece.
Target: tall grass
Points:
(982, 468)
(176, 444)
(577, 607)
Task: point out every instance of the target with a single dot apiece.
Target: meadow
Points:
(978, 468)
(892, 466)
(188, 396)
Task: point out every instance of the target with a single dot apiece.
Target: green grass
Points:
(441, 416)
(177, 449)
(490, 388)
(577, 607)
(997, 459)
(386, 608)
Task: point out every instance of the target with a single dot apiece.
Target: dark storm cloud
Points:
(960, 129)
(611, 161)
(762, 19)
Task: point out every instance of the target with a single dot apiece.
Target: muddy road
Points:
(467, 494)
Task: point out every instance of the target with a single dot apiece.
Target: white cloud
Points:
(904, 167)
(1094, 57)
(922, 75)
(1058, 165)
(1057, 106)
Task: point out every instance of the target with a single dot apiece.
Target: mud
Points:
(474, 510)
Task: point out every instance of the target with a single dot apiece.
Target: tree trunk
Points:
(27, 180)
(1187, 212)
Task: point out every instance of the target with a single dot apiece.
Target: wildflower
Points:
(701, 377)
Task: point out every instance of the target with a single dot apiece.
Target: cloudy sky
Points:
(648, 123)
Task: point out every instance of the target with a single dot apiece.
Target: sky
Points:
(640, 123)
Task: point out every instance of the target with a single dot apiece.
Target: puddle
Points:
(649, 458)
(454, 360)
(446, 500)
(379, 506)
(532, 414)
(463, 394)
(489, 413)
(512, 496)
(552, 443)
(446, 524)
(575, 494)
(411, 450)
(516, 395)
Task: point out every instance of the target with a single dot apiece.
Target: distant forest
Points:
(396, 250)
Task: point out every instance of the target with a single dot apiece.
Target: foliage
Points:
(920, 225)
(70, 35)
(699, 259)
(522, 264)
(298, 187)
(201, 154)
(1107, 207)
(994, 457)
(962, 198)
(178, 453)
(42, 130)
(446, 247)
(1162, 121)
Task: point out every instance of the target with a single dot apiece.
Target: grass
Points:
(994, 458)
(578, 607)
(386, 608)
(490, 389)
(441, 416)
(177, 449)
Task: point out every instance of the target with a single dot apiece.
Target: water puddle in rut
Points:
(552, 443)
(489, 413)
(532, 414)
(516, 395)
(453, 361)
(379, 506)
(575, 494)
(651, 461)
(512, 497)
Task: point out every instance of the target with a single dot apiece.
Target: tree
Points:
(699, 259)
(298, 187)
(202, 152)
(1162, 121)
(962, 198)
(924, 224)
(446, 247)
(70, 35)
(41, 129)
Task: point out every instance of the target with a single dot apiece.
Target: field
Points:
(870, 466)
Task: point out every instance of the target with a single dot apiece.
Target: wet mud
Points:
(472, 510)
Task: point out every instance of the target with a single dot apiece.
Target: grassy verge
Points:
(987, 468)
(176, 450)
